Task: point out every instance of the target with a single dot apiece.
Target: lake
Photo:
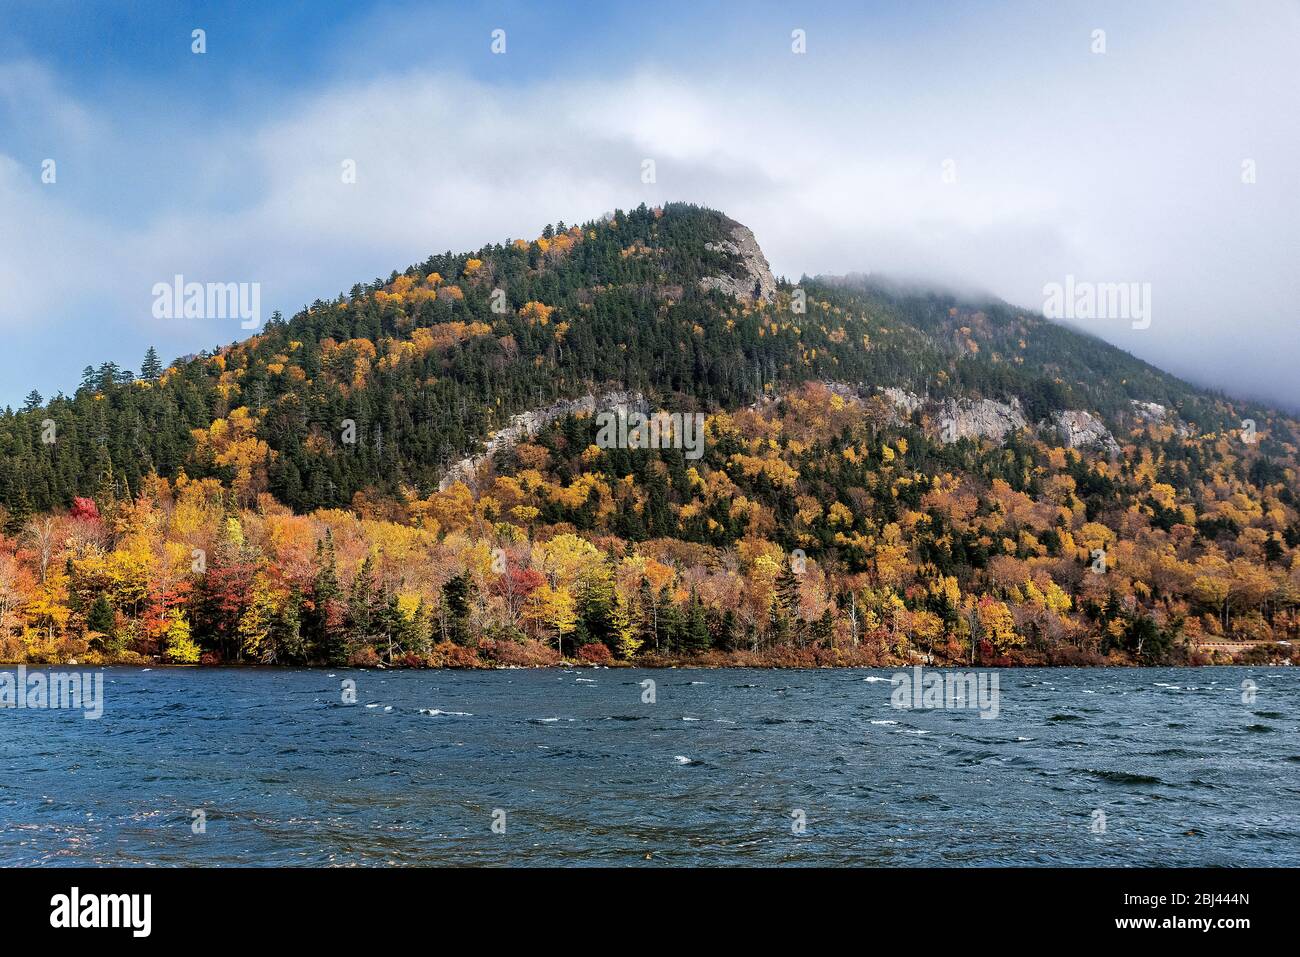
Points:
(1106, 767)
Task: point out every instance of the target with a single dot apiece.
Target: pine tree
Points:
(151, 368)
(822, 630)
(785, 609)
(326, 638)
(107, 375)
(101, 617)
(395, 630)
(696, 638)
(672, 625)
(362, 601)
(286, 638)
(787, 591)
(648, 608)
(456, 595)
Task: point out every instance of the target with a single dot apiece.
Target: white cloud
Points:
(1124, 169)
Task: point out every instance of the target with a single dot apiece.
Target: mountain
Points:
(417, 464)
(425, 367)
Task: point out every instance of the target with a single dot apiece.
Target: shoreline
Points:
(680, 665)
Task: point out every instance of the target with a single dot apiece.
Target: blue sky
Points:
(1122, 166)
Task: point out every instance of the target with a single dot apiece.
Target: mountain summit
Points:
(677, 303)
(628, 437)
(756, 281)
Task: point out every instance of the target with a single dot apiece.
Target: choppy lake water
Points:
(721, 769)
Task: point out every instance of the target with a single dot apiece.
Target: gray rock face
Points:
(904, 403)
(1158, 414)
(1149, 411)
(979, 418)
(527, 424)
(758, 281)
(962, 418)
(1081, 430)
(958, 419)
(909, 402)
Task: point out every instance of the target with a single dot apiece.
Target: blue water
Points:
(714, 772)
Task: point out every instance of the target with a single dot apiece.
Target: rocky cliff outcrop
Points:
(1083, 430)
(906, 402)
(956, 419)
(527, 424)
(1149, 411)
(1157, 414)
(757, 281)
(979, 418)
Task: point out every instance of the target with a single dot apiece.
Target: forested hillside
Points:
(278, 500)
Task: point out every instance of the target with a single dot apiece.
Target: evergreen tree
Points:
(672, 624)
(696, 638)
(822, 630)
(457, 593)
(362, 606)
(647, 619)
(729, 638)
(101, 617)
(323, 625)
(151, 368)
(785, 609)
(285, 639)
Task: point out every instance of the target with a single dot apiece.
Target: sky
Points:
(997, 146)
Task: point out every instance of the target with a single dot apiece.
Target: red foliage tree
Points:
(85, 509)
(595, 653)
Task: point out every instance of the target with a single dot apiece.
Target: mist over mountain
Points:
(852, 434)
(1173, 175)
(431, 360)
(629, 438)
